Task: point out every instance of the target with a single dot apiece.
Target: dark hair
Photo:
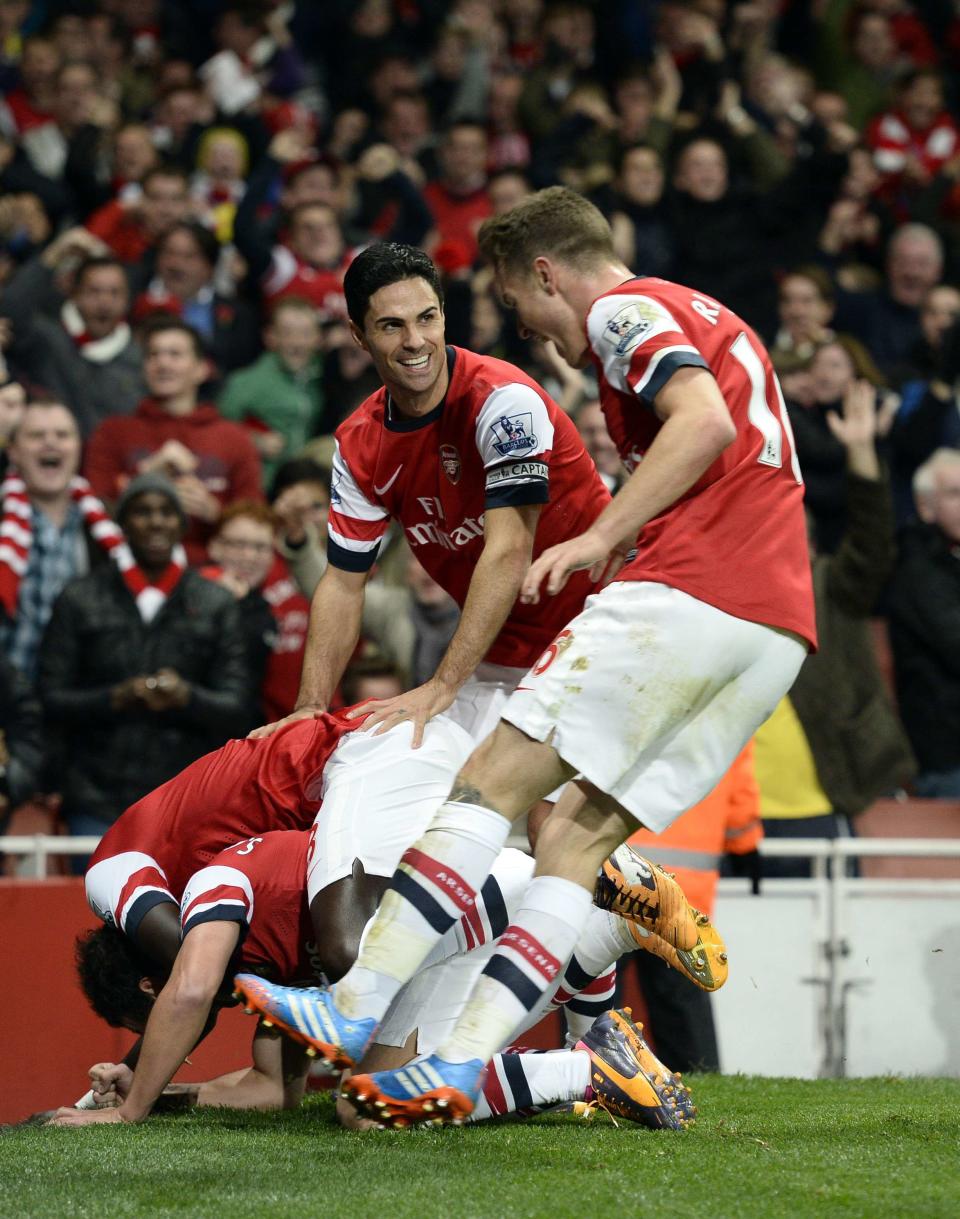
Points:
(160, 323)
(206, 241)
(379, 266)
(360, 670)
(97, 262)
(165, 170)
(110, 966)
(298, 470)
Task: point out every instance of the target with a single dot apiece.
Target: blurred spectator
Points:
(185, 284)
(805, 304)
(256, 60)
(887, 319)
(300, 498)
(857, 56)
(638, 214)
(244, 548)
(939, 311)
(370, 677)
(113, 166)
(506, 188)
(596, 440)
(834, 743)
(30, 103)
(77, 345)
(211, 459)
(280, 398)
(53, 528)
(79, 111)
(929, 418)
(680, 1016)
(925, 626)
(130, 225)
(21, 740)
(143, 665)
(13, 401)
(223, 162)
(459, 198)
(835, 369)
(912, 142)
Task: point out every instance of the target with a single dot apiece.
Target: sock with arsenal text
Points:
(524, 1083)
(434, 886)
(527, 964)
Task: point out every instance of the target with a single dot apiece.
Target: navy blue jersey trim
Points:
(534, 492)
(142, 906)
(350, 560)
(667, 367)
(217, 914)
(496, 908)
(395, 422)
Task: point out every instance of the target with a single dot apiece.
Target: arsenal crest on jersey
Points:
(450, 462)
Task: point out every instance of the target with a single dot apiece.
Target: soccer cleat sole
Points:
(328, 1053)
(440, 1106)
(706, 965)
(646, 894)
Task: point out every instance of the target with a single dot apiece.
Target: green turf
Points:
(765, 1148)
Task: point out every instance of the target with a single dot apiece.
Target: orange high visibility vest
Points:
(727, 820)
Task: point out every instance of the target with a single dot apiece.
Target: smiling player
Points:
(481, 469)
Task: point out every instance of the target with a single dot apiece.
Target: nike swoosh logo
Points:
(389, 483)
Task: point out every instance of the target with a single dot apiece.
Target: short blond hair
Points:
(556, 223)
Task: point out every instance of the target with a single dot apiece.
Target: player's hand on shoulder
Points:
(309, 712)
(554, 567)
(419, 705)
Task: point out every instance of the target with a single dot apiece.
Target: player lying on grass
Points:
(249, 907)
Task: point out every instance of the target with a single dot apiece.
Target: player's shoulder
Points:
(486, 383)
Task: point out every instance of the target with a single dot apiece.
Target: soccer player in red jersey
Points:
(376, 793)
(644, 699)
(249, 907)
(480, 468)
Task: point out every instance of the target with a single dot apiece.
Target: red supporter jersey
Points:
(244, 788)
(260, 884)
(321, 286)
(737, 539)
(497, 440)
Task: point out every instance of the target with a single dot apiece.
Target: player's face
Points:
(543, 313)
(404, 334)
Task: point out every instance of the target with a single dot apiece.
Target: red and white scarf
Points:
(97, 351)
(16, 536)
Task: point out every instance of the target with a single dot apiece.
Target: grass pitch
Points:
(764, 1148)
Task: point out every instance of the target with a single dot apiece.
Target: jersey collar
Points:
(395, 422)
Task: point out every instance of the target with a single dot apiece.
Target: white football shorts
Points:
(651, 694)
(482, 697)
(379, 795)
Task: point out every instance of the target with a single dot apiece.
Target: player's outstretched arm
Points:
(336, 612)
(697, 428)
(175, 1024)
(494, 586)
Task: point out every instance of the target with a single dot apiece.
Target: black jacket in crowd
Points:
(925, 635)
(95, 639)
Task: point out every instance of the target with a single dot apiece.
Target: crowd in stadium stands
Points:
(182, 187)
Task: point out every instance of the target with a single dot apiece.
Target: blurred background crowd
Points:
(182, 186)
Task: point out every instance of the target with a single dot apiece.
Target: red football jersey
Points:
(496, 440)
(737, 539)
(260, 884)
(244, 788)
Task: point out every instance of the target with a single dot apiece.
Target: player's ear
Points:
(146, 985)
(358, 336)
(545, 275)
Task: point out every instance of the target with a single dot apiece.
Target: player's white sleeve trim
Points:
(513, 423)
(216, 891)
(114, 885)
(618, 325)
(353, 521)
